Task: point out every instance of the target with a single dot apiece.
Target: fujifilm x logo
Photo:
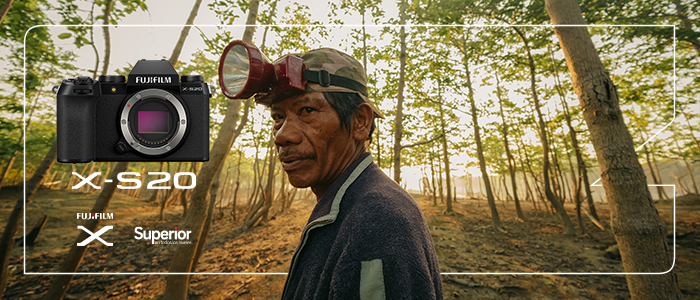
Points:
(95, 216)
(152, 80)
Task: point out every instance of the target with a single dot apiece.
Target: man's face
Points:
(313, 147)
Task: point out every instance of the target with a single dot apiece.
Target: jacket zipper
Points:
(304, 235)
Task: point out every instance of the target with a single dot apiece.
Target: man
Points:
(366, 238)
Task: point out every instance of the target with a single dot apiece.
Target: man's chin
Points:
(298, 182)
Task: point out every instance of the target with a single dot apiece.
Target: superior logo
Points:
(163, 236)
(152, 80)
(95, 216)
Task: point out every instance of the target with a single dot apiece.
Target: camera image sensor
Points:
(153, 121)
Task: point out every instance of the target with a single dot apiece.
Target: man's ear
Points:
(362, 122)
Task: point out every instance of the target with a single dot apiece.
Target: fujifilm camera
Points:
(155, 116)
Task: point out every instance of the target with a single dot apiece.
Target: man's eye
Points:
(307, 109)
(277, 117)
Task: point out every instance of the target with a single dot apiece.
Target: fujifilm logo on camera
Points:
(152, 80)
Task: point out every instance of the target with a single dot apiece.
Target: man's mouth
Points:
(293, 162)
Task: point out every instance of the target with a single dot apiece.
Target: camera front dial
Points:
(153, 122)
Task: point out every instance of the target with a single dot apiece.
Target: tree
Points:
(398, 122)
(509, 156)
(566, 221)
(59, 284)
(8, 235)
(477, 139)
(177, 285)
(637, 226)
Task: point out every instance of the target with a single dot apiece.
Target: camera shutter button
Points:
(83, 80)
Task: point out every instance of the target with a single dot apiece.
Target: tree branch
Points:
(423, 142)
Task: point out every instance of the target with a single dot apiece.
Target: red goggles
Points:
(244, 71)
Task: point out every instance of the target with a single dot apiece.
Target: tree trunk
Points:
(477, 139)
(105, 32)
(60, 283)
(4, 9)
(556, 203)
(687, 165)
(509, 156)
(18, 144)
(183, 259)
(265, 199)
(446, 157)
(638, 229)
(213, 192)
(432, 174)
(398, 122)
(653, 175)
(8, 235)
(174, 57)
(154, 196)
(656, 167)
(583, 171)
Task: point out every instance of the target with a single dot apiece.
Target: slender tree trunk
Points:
(690, 128)
(432, 174)
(398, 122)
(265, 199)
(509, 156)
(583, 172)
(213, 193)
(656, 167)
(183, 259)
(566, 222)
(184, 33)
(4, 9)
(154, 196)
(653, 175)
(477, 139)
(18, 144)
(8, 235)
(60, 283)
(638, 229)
(441, 190)
(445, 158)
(687, 165)
(105, 31)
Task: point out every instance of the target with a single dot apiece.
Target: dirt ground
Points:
(465, 243)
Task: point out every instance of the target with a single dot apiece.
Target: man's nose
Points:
(289, 133)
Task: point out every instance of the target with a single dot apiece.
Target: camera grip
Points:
(75, 126)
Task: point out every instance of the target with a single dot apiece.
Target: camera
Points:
(155, 116)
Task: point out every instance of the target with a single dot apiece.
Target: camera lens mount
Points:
(134, 139)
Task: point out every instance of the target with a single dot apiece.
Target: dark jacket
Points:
(365, 239)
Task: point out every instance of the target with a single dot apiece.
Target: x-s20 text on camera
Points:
(154, 116)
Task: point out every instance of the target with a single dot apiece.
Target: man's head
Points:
(319, 133)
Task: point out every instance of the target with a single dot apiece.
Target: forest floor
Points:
(465, 243)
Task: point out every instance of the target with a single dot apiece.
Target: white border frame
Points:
(24, 156)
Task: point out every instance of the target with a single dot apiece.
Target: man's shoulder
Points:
(376, 196)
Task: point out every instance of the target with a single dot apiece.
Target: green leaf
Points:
(65, 35)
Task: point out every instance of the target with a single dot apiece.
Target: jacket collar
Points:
(328, 206)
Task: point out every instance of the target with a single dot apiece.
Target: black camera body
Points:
(152, 117)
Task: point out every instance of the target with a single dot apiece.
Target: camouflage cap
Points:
(339, 64)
